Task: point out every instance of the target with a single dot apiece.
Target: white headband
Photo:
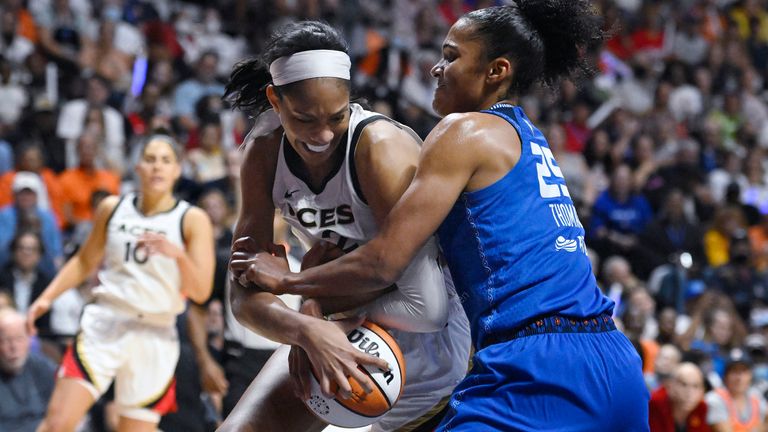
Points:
(310, 64)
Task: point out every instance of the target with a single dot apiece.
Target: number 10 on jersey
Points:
(138, 254)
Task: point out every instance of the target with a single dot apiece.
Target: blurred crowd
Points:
(664, 145)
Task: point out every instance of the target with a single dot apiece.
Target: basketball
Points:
(362, 409)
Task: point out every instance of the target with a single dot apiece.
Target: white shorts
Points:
(434, 364)
(140, 357)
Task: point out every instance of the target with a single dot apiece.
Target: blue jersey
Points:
(516, 248)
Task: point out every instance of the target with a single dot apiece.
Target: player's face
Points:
(158, 168)
(460, 73)
(315, 116)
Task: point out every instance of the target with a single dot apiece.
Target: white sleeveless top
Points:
(149, 286)
(337, 212)
(436, 361)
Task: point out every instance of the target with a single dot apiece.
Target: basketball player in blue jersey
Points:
(548, 356)
(152, 251)
(334, 169)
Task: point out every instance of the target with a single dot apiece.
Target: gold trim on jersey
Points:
(84, 362)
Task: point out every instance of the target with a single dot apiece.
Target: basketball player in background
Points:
(334, 170)
(548, 355)
(156, 250)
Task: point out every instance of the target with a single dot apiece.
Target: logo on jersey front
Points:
(289, 194)
(136, 230)
(310, 217)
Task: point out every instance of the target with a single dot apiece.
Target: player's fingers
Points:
(293, 369)
(325, 386)
(31, 329)
(239, 265)
(369, 360)
(303, 376)
(243, 279)
(345, 389)
(222, 384)
(362, 379)
(240, 256)
(252, 275)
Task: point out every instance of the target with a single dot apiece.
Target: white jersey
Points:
(336, 213)
(436, 361)
(149, 286)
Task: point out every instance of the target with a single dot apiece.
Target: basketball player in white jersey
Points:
(334, 170)
(156, 250)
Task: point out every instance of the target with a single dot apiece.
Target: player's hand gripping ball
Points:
(362, 408)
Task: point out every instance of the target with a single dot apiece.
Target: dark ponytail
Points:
(545, 39)
(249, 78)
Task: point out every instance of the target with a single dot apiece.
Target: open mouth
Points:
(317, 149)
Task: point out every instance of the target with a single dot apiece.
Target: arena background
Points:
(663, 147)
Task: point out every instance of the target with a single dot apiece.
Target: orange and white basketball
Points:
(362, 409)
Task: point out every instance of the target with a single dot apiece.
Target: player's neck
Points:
(317, 174)
(150, 204)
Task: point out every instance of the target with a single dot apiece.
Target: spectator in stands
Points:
(26, 378)
(13, 94)
(25, 214)
(74, 119)
(739, 279)
(207, 162)
(717, 238)
(670, 233)
(733, 197)
(680, 406)
(30, 158)
(619, 216)
(15, 46)
(723, 329)
(22, 278)
(190, 91)
(667, 360)
(79, 184)
(758, 239)
(736, 406)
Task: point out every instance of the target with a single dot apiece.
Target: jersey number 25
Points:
(546, 169)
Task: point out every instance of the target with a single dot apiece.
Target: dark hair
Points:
(545, 39)
(27, 232)
(165, 136)
(249, 78)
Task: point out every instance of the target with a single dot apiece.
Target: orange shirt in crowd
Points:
(650, 352)
(26, 25)
(55, 197)
(78, 185)
(758, 239)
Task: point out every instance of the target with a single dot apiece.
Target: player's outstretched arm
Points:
(80, 266)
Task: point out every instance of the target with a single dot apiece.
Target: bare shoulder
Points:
(106, 207)
(195, 221)
(390, 133)
(384, 141)
(467, 126)
(263, 147)
(196, 215)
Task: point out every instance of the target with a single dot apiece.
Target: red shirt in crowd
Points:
(660, 415)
